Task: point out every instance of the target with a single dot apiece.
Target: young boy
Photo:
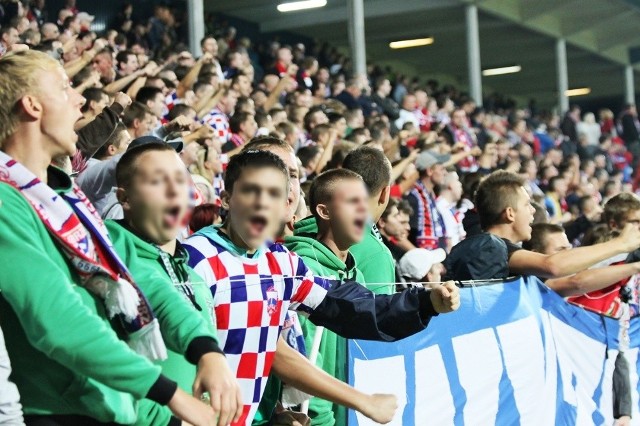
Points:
(255, 282)
(339, 204)
(68, 362)
(505, 212)
(147, 237)
(153, 191)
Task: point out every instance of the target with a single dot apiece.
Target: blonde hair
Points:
(19, 75)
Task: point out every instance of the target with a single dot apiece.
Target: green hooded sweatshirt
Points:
(188, 322)
(65, 355)
(332, 357)
(376, 262)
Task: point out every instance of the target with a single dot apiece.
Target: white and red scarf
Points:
(77, 228)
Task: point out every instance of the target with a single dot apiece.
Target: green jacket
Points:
(332, 357)
(376, 262)
(66, 357)
(181, 322)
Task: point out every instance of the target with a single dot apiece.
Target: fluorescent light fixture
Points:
(501, 70)
(416, 42)
(581, 91)
(301, 5)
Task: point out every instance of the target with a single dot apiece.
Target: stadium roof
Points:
(599, 34)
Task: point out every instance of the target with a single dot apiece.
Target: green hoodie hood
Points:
(318, 257)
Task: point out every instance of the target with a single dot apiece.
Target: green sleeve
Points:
(54, 318)
(180, 323)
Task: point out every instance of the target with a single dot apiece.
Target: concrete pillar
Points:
(356, 36)
(195, 10)
(629, 85)
(473, 54)
(562, 75)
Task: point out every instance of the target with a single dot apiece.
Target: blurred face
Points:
(348, 211)
(50, 32)
(438, 173)
(409, 103)
(293, 196)
(249, 127)
(524, 212)
(130, 66)
(210, 45)
(243, 86)
(459, 119)
(632, 217)
(285, 56)
(405, 222)
(11, 38)
(456, 187)
(557, 242)
(156, 204)
(341, 127)
(146, 126)
(391, 224)
(257, 204)
(157, 105)
(97, 107)
(502, 150)
(60, 110)
(103, 63)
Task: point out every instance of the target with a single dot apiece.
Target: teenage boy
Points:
(47, 221)
(153, 189)
(506, 214)
(339, 204)
(153, 217)
(254, 282)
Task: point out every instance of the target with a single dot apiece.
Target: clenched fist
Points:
(445, 298)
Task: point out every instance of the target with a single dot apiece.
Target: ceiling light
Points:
(501, 70)
(301, 5)
(581, 91)
(416, 42)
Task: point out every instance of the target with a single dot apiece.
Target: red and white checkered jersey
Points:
(220, 123)
(251, 299)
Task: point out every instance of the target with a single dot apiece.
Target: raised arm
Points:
(296, 370)
(567, 262)
(592, 279)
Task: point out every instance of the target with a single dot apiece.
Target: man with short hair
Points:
(153, 99)
(243, 127)
(103, 63)
(427, 225)
(506, 214)
(230, 258)
(391, 229)
(241, 84)
(126, 63)
(47, 221)
(8, 37)
(352, 91)
(385, 105)
(450, 194)
(49, 31)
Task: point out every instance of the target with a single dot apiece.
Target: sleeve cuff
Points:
(426, 307)
(116, 108)
(200, 346)
(162, 390)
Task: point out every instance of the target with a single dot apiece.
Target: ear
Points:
(510, 214)
(323, 212)
(111, 149)
(225, 197)
(123, 198)
(136, 123)
(384, 196)
(31, 106)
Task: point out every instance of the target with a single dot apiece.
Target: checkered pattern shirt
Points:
(251, 299)
(220, 123)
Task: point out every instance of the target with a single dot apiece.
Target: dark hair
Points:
(205, 38)
(147, 93)
(387, 211)
(92, 94)
(203, 215)
(618, 208)
(123, 57)
(262, 142)
(405, 207)
(307, 153)
(178, 110)
(539, 233)
(319, 130)
(112, 139)
(237, 120)
(553, 181)
(135, 111)
(598, 234)
(255, 159)
(497, 192)
(125, 170)
(371, 164)
(323, 187)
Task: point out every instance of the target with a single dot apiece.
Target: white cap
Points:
(416, 263)
(84, 16)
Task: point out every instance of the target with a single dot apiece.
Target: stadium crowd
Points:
(256, 179)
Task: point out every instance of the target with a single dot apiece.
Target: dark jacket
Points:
(386, 106)
(479, 257)
(629, 128)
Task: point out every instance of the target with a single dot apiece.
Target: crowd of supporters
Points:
(252, 178)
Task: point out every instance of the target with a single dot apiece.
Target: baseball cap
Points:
(84, 16)
(143, 140)
(416, 263)
(427, 160)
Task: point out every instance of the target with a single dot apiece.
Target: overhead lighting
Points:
(581, 91)
(501, 70)
(301, 5)
(416, 42)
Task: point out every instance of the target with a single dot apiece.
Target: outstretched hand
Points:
(445, 298)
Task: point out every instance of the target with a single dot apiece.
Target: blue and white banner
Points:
(514, 353)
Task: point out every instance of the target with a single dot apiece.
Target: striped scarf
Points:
(76, 226)
(430, 223)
